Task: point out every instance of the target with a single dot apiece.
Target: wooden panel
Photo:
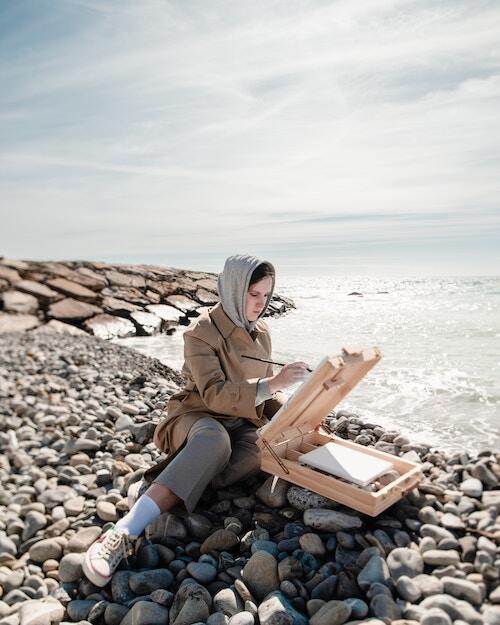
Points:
(371, 503)
(343, 493)
(305, 447)
(321, 392)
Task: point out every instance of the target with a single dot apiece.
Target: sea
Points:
(439, 377)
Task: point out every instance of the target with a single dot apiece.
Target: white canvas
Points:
(350, 464)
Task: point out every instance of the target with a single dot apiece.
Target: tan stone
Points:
(207, 283)
(182, 302)
(129, 295)
(11, 275)
(73, 309)
(123, 279)
(92, 279)
(148, 322)
(72, 289)
(40, 291)
(165, 312)
(14, 263)
(15, 301)
(115, 305)
(17, 323)
(162, 287)
(206, 297)
(110, 326)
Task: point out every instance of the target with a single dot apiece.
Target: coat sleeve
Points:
(235, 399)
(272, 405)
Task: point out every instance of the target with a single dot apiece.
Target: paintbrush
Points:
(272, 362)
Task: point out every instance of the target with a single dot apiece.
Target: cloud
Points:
(204, 124)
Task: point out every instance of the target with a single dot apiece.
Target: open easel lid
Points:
(321, 391)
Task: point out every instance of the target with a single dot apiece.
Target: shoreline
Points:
(79, 416)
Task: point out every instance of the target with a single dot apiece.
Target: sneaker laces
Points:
(116, 543)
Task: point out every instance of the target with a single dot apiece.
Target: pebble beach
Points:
(77, 414)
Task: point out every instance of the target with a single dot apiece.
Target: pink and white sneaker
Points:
(105, 554)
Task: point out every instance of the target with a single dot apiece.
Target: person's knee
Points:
(217, 439)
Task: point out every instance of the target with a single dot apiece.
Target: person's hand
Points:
(289, 375)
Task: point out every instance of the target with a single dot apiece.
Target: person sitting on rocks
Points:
(209, 431)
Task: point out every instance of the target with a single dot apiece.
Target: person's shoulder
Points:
(203, 328)
(263, 326)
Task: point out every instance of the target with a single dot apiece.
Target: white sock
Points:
(143, 512)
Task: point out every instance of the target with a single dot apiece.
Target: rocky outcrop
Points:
(108, 301)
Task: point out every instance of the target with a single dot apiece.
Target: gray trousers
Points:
(217, 452)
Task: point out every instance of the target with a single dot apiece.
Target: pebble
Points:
(114, 613)
(435, 616)
(303, 499)
(274, 498)
(276, 609)
(472, 487)
(330, 520)
(455, 608)
(146, 613)
(191, 605)
(217, 618)
(312, 543)
(220, 540)
(385, 608)
(243, 618)
(106, 511)
(437, 557)
(79, 609)
(260, 574)
(407, 562)
(46, 549)
(33, 522)
(70, 567)
(145, 582)
(463, 589)
(83, 539)
(228, 602)
(375, 570)
(202, 572)
(41, 612)
(452, 521)
(331, 613)
(408, 589)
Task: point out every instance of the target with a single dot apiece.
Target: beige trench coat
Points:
(219, 382)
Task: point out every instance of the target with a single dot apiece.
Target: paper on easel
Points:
(347, 463)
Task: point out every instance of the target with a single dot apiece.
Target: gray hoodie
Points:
(232, 285)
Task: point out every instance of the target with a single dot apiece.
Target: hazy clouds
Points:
(360, 133)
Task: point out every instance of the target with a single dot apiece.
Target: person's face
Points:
(257, 296)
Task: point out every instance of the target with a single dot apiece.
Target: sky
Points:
(350, 136)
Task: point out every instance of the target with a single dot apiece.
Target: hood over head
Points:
(232, 285)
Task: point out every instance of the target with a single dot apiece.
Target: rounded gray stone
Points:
(47, 549)
(146, 613)
(260, 574)
(70, 567)
(403, 561)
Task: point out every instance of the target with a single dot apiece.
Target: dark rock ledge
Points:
(108, 301)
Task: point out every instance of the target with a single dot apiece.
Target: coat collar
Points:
(224, 323)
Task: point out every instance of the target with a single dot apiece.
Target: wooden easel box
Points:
(299, 426)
